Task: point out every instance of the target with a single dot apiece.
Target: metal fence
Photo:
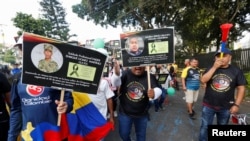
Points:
(240, 58)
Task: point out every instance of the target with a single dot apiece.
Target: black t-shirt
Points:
(134, 99)
(4, 88)
(220, 90)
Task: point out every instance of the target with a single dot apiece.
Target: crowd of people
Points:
(135, 95)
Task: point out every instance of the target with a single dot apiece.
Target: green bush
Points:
(247, 75)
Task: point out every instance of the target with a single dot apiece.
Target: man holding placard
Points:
(35, 107)
(134, 100)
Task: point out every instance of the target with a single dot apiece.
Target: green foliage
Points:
(9, 57)
(52, 24)
(197, 22)
(29, 24)
(247, 75)
(53, 12)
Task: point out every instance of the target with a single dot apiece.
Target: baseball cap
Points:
(48, 47)
(225, 51)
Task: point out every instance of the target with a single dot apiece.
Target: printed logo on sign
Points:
(34, 90)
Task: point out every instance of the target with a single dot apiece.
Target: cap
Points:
(225, 51)
(48, 47)
(19, 42)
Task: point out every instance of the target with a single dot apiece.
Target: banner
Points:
(52, 63)
(147, 47)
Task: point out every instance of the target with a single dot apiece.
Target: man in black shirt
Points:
(220, 99)
(134, 97)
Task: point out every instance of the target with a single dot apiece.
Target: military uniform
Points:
(45, 65)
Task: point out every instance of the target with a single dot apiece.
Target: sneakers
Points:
(162, 108)
(191, 115)
(156, 109)
(193, 112)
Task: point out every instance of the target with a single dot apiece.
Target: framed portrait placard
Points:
(52, 63)
(162, 78)
(154, 46)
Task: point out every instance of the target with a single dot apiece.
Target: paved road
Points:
(173, 124)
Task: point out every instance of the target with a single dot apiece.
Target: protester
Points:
(47, 64)
(115, 89)
(175, 68)
(103, 100)
(15, 69)
(133, 46)
(175, 73)
(33, 105)
(163, 99)
(134, 100)
(157, 70)
(191, 85)
(5, 70)
(220, 98)
(187, 64)
(4, 101)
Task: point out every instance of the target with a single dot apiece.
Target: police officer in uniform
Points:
(47, 64)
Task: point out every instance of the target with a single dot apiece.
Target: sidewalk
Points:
(174, 124)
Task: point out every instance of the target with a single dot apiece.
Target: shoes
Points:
(156, 110)
(191, 115)
(193, 112)
(115, 113)
(162, 108)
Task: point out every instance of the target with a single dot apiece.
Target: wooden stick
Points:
(149, 81)
(61, 101)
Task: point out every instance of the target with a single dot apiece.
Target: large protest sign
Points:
(146, 47)
(70, 67)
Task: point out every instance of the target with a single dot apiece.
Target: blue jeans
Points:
(207, 117)
(158, 102)
(125, 126)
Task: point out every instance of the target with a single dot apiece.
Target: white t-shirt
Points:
(100, 99)
(167, 82)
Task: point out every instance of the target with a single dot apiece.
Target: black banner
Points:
(147, 47)
(52, 63)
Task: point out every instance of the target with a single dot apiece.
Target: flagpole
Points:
(61, 101)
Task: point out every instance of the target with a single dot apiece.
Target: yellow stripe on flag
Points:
(80, 100)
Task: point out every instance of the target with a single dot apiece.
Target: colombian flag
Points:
(46, 131)
(85, 121)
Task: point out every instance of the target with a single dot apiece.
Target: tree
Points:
(196, 21)
(26, 23)
(53, 11)
(9, 57)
